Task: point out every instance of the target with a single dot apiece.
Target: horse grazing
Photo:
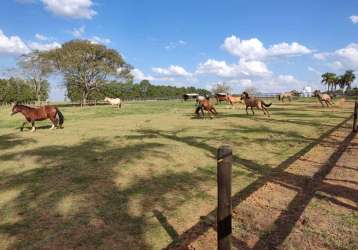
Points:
(203, 103)
(254, 102)
(114, 101)
(39, 114)
(326, 98)
(287, 95)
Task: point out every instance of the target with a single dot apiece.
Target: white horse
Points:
(114, 101)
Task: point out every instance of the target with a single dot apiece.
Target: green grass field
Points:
(112, 178)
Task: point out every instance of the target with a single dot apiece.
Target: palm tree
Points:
(329, 79)
(349, 78)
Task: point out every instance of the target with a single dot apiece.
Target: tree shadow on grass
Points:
(285, 223)
(73, 199)
(201, 227)
(12, 140)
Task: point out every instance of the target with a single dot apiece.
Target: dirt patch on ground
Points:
(312, 203)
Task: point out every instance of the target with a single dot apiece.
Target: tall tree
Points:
(348, 78)
(221, 88)
(329, 79)
(86, 66)
(36, 70)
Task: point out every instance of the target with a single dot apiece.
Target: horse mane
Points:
(246, 94)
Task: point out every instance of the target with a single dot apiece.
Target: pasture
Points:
(143, 176)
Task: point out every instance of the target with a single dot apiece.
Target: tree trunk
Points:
(85, 94)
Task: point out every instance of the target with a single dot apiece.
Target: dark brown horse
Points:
(39, 114)
(205, 104)
(254, 102)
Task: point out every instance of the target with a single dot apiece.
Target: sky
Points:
(272, 45)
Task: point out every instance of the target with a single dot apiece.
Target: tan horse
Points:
(327, 99)
(233, 100)
(254, 102)
(205, 104)
(287, 95)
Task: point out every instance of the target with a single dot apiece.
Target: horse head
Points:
(106, 99)
(15, 108)
(244, 95)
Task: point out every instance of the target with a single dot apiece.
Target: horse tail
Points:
(266, 105)
(60, 117)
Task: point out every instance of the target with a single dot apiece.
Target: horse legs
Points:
(23, 125)
(54, 122)
(266, 112)
(246, 110)
(253, 113)
(33, 126)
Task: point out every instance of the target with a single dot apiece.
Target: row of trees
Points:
(144, 89)
(16, 89)
(331, 80)
(90, 72)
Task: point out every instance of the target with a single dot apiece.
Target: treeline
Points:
(343, 82)
(16, 89)
(144, 89)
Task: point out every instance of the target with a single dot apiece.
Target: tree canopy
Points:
(343, 81)
(86, 66)
(36, 70)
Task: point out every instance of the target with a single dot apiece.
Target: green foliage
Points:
(15, 89)
(86, 67)
(144, 89)
(36, 70)
(343, 81)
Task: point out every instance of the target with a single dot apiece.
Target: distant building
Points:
(307, 91)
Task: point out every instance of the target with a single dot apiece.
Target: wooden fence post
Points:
(355, 117)
(224, 226)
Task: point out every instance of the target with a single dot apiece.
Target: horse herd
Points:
(203, 103)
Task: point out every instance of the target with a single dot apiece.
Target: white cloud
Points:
(344, 58)
(354, 19)
(173, 45)
(223, 69)
(314, 71)
(348, 55)
(321, 56)
(43, 46)
(219, 68)
(12, 45)
(96, 39)
(287, 79)
(41, 37)
(253, 49)
(78, 32)
(172, 70)
(283, 49)
(139, 75)
(247, 49)
(71, 8)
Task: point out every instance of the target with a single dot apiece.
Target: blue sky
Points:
(271, 45)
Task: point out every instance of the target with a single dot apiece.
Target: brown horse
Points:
(221, 97)
(254, 102)
(205, 104)
(39, 114)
